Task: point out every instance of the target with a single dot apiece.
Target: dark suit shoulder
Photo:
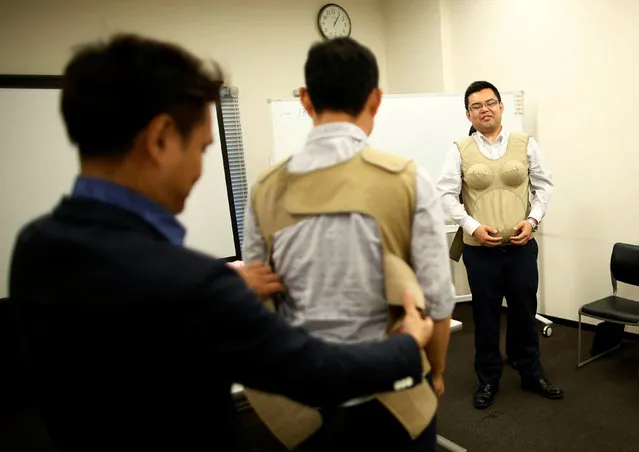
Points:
(33, 226)
(112, 257)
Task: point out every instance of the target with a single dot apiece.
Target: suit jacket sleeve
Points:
(260, 350)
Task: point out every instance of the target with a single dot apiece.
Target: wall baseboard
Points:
(572, 323)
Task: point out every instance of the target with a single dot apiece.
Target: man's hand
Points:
(525, 231)
(414, 324)
(483, 234)
(261, 279)
(438, 384)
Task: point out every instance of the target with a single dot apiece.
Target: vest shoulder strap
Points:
(385, 160)
(272, 170)
(464, 144)
(518, 141)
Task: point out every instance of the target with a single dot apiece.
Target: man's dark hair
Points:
(476, 87)
(112, 90)
(340, 75)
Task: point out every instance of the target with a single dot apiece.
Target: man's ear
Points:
(468, 115)
(374, 101)
(157, 134)
(305, 99)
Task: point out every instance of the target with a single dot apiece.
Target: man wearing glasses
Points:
(486, 186)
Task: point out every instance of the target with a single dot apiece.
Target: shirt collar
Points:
(109, 192)
(337, 130)
(503, 135)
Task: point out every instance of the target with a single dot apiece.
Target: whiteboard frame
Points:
(519, 97)
(23, 81)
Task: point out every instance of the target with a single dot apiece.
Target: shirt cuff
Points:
(470, 225)
(536, 214)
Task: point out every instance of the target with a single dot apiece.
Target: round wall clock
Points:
(333, 21)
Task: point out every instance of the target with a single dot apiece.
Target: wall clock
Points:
(333, 21)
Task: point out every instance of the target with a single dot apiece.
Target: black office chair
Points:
(624, 267)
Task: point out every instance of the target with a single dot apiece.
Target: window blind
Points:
(231, 124)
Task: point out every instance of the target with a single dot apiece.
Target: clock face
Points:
(334, 22)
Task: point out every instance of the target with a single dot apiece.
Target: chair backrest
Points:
(624, 264)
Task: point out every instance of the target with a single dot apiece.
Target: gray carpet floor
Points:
(600, 410)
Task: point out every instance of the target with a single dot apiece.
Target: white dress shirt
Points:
(450, 182)
(332, 264)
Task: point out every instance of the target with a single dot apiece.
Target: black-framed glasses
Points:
(490, 103)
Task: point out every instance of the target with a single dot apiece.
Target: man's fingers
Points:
(271, 277)
(493, 241)
(259, 268)
(408, 300)
(274, 287)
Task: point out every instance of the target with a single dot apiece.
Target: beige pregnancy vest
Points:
(494, 192)
(372, 183)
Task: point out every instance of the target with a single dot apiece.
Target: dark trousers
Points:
(366, 427)
(494, 273)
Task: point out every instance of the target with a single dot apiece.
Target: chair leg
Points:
(579, 342)
(583, 363)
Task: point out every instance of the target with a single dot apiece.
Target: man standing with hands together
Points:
(495, 172)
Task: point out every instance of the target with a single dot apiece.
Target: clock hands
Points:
(335, 23)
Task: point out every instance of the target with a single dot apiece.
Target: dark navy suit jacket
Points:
(133, 341)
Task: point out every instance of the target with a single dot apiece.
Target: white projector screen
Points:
(39, 165)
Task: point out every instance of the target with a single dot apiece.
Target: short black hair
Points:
(112, 90)
(340, 74)
(475, 87)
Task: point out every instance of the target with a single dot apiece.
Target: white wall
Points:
(413, 46)
(576, 62)
(261, 44)
(417, 63)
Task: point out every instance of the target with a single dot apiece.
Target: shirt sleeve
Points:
(449, 187)
(429, 249)
(541, 185)
(253, 246)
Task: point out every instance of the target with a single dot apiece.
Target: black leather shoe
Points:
(544, 388)
(485, 396)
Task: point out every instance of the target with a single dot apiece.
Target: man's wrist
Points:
(470, 225)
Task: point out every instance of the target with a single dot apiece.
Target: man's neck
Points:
(492, 135)
(117, 173)
(332, 117)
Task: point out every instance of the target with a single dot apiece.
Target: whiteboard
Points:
(421, 127)
(38, 165)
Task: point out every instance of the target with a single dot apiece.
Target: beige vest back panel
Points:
(496, 192)
(372, 183)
